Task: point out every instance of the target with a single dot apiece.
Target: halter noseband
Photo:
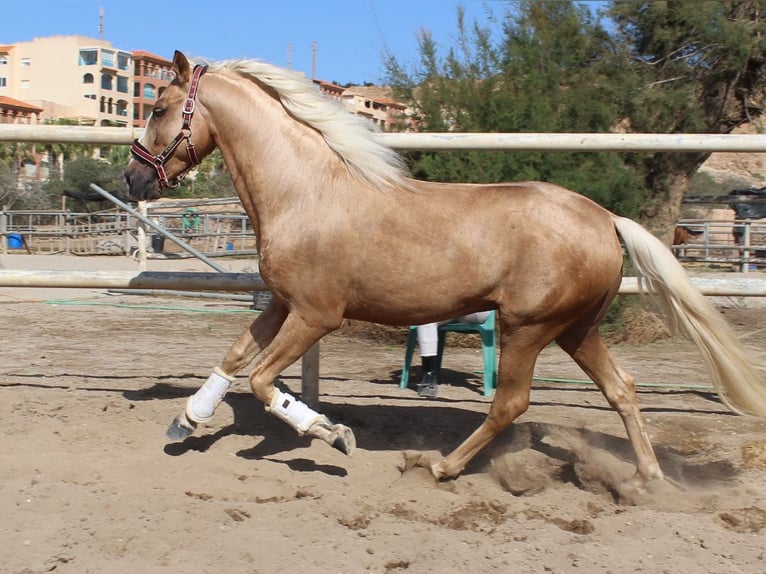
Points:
(158, 161)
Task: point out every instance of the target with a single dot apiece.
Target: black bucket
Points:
(158, 243)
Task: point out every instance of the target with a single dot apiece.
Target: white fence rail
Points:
(630, 142)
(199, 281)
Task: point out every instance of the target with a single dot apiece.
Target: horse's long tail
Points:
(735, 378)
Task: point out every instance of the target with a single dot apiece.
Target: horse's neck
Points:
(273, 159)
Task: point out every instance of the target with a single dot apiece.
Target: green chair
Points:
(487, 332)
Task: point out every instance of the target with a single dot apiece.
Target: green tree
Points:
(212, 179)
(8, 188)
(79, 174)
(547, 72)
(687, 66)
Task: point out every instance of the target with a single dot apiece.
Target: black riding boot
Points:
(428, 384)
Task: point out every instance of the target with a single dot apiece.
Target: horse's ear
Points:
(181, 67)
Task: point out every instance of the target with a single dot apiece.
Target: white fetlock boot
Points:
(201, 406)
(307, 421)
(294, 412)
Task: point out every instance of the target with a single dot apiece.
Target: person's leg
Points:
(428, 341)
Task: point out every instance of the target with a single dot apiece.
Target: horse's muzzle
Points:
(141, 181)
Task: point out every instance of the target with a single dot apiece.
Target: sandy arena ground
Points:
(89, 484)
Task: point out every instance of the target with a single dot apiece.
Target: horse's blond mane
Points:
(348, 135)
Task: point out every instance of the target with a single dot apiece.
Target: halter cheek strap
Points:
(158, 161)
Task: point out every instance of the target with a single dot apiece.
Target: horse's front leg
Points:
(201, 406)
(295, 338)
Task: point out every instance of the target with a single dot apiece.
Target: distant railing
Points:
(114, 232)
(737, 243)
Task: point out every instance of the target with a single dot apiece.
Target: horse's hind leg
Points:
(618, 387)
(201, 405)
(518, 353)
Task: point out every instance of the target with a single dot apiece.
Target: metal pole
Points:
(188, 280)
(3, 232)
(310, 377)
(141, 237)
(158, 229)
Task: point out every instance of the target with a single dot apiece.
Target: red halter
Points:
(158, 161)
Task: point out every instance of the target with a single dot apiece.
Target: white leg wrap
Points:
(295, 413)
(201, 406)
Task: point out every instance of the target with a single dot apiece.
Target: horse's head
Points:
(176, 137)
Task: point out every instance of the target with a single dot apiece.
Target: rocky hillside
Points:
(741, 169)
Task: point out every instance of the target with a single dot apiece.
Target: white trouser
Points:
(428, 334)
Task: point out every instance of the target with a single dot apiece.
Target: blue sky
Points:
(351, 35)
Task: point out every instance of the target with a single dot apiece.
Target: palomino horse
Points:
(344, 233)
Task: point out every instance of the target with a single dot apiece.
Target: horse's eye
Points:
(157, 112)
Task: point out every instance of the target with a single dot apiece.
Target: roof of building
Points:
(380, 94)
(5, 49)
(6, 102)
(150, 56)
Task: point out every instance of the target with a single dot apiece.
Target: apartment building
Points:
(151, 75)
(80, 80)
(372, 102)
(72, 78)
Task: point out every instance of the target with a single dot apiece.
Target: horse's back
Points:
(528, 218)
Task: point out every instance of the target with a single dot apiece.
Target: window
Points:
(107, 58)
(122, 108)
(3, 60)
(25, 84)
(123, 61)
(87, 79)
(88, 58)
(122, 84)
(26, 62)
(106, 82)
(149, 92)
(3, 81)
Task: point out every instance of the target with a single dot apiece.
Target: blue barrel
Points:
(15, 241)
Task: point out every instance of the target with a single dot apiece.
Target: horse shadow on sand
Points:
(395, 423)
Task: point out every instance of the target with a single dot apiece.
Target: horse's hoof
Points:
(437, 469)
(442, 471)
(336, 435)
(637, 490)
(181, 427)
(344, 440)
